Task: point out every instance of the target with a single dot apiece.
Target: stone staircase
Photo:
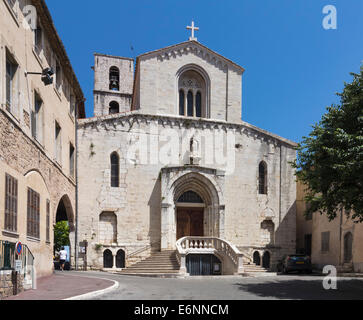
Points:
(164, 262)
(253, 269)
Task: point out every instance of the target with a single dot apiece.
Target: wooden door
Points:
(190, 222)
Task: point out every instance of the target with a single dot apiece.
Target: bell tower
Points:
(113, 84)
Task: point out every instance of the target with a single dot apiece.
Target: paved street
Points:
(229, 288)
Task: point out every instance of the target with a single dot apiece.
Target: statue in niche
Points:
(194, 151)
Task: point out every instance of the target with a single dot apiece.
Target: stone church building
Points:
(171, 179)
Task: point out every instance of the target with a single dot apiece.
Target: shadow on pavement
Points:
(305, 289)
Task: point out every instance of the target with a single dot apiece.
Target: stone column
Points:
(114, 261)
(165, 226)
(221, 213)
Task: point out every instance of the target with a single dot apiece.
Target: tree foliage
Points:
(330, 159)
(61, 235)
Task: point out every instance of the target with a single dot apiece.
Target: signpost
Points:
(18, 248)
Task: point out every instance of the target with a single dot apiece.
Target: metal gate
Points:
(203, 265)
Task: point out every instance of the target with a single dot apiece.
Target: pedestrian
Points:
(62, 258)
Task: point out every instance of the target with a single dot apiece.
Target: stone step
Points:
(154, 267)
(148, 271)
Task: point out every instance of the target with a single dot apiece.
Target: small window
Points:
(115, 163)
(11, 69)
(114, 108)
(262, 179)
(38, 39)
(325, 239)
(58, 143)
(12, 5)
(71, 160)
(33, 214)
(72, 105)
(37, 118)
(11, 203)
(58, 75)
(181, 103)
(198, 103)
(190, 104)
(114, 79)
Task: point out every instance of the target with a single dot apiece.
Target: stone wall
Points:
(32, 168)
(138, 200)
(7, 284)
(157, 81)
(102, 93)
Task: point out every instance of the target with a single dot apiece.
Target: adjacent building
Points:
(338, 242)
(37, 134)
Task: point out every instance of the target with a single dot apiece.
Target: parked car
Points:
(295, 262)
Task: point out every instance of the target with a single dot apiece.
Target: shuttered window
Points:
(33, 214)
(11, 203)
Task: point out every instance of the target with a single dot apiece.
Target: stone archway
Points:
(65, 213)
(107, 259)
(208, 184)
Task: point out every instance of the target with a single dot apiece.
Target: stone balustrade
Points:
(208, 245)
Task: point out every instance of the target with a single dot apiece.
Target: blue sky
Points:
(293, 65)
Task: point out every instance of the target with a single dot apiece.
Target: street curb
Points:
(94, 294)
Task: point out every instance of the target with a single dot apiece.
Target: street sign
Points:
(18, 248)
(18, 265)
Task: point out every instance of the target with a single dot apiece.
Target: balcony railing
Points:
(208, 245)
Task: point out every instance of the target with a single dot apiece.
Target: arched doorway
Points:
(266, 260)
(257, 258)
(178, 182)
(107, 259)
(348, 247)
(64, 230)
(120, 259)
(190, 215)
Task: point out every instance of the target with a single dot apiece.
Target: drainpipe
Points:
(76, 176)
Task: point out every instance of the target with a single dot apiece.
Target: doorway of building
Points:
(190, 222)
(266, 260)
(203, 265)
(62, 230)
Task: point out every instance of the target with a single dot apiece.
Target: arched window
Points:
(192, 94)
(348, 247)
(114, 79)
(181, 102)
(198, 103)
(262, 178)
(115, 164)
(190, 197)
(114, 107)
(190, 104)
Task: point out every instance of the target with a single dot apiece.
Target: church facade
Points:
(167, 165)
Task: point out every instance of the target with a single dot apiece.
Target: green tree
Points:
(61, 235)
(330, 160)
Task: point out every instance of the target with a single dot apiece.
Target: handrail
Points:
(141, 250)
(188, 245)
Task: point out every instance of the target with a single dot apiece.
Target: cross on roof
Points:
(193, 28)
